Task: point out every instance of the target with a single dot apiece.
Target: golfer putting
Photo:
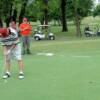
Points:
(12, 49)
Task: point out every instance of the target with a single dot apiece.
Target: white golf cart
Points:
(43, 32)
(90, 30)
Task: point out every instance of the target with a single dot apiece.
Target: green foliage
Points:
(36, 9)
(96, 11)
(82, 8)
(6, 7)
(73, 73)
(54, 9)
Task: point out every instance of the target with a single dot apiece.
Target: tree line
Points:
(48, 10)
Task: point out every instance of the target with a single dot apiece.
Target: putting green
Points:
(72, 73)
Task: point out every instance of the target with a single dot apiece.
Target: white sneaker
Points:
(21, 76)
(6, 75)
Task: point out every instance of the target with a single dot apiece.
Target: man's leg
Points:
(21, 74)
(28, 45)
(7, 70)
(20, 64)
(7, 63)
(24, 44)
(17, 54)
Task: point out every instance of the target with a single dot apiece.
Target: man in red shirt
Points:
(25, 30)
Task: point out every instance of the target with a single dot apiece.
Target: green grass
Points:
(73, 73)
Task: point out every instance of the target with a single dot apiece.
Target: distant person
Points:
(25, 29)
(87, 28)
(12, 49)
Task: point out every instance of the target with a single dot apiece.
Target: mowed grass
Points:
(72, 73)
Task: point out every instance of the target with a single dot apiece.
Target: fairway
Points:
(71, 72)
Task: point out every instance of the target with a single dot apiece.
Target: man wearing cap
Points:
(12, 49)
(25, 29)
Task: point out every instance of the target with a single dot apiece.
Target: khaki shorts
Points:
(15, 52)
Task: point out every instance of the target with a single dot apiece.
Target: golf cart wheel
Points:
(88, 35)
(51, 37)
(37, 38)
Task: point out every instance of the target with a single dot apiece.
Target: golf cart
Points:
(43, 32)
(88, 32)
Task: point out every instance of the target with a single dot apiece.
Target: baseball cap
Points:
(25, 19)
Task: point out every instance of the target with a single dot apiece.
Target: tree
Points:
(7, 11)
(54, 11)
(77, 10)
(45, 12)
(96, 11)
(64, 18)
(23, 10)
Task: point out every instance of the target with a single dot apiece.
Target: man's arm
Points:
(29, 27)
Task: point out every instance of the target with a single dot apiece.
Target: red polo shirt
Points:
(25, 29)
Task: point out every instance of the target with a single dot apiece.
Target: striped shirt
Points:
(11, 39)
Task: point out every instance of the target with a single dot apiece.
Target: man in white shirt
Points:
(12, 49)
